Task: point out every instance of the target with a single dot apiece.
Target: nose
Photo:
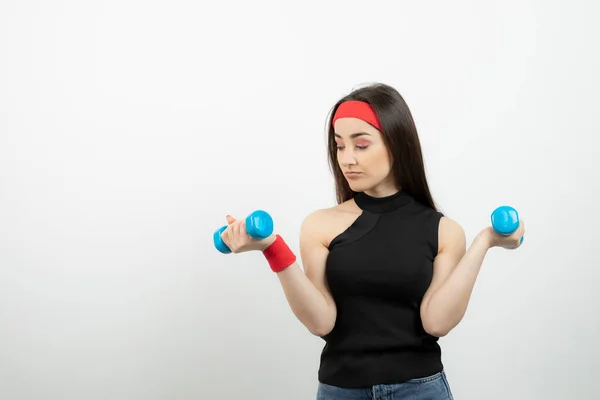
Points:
(347, 157)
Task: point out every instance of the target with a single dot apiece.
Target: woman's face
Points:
(363, 157)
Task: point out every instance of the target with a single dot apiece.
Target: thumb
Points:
(230, 219)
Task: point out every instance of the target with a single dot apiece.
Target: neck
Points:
(383, 190)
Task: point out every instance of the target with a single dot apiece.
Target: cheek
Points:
(378, 162)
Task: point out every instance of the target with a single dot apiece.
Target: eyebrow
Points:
(354, 135)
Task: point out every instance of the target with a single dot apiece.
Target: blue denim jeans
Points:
(433, 387)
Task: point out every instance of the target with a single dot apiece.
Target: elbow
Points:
(436, 328)
(437, 332)
(319, 332)
(321, 329)
(440, 323)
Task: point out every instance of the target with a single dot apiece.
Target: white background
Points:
(129, 129)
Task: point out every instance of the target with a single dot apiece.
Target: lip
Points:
(352, 174)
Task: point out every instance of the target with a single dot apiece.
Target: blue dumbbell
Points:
(259, 225)
(505, 220)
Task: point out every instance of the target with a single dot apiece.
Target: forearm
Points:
(307, 302)
(448, 304)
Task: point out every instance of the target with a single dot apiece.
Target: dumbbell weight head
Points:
(259, 224)
(505, 220)
(218, 241)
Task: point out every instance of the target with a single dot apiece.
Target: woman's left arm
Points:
(455, 271)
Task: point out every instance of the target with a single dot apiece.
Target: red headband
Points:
(357, 109)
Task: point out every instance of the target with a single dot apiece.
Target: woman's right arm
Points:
(306, 291)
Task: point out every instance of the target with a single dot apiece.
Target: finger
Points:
(519, 232)
(238, 228)
(230, 238)
(522, 226)
(230, 219)
(519, 242)
(225, 237)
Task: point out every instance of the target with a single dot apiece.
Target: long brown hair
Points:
(400, 136)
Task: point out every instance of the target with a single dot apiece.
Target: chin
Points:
(356, 187)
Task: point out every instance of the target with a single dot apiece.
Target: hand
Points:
(511, 241)
(237, 239)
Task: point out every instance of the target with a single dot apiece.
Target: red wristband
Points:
(279, 255)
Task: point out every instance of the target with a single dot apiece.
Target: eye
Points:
(361, 147)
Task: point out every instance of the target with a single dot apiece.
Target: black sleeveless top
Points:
(378, 271)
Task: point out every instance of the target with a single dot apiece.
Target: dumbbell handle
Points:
(259, 225)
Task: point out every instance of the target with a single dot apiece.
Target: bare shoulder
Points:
(313, 225)
(327, 223)
(451, 236)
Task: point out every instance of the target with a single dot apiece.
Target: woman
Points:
(385, 273)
